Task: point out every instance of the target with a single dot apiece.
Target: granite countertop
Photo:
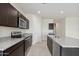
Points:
(66, 42)
(7, 42)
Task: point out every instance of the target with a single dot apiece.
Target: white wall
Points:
(68, 27)
(45, 28)
(60, 27)
(72, 27)
(35, 27)
(6, 31)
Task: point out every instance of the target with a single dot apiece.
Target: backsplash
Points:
(6, 31)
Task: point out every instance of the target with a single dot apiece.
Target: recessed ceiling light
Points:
(38, 12)
(61, 11)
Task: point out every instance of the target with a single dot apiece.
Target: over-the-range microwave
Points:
(21, 23)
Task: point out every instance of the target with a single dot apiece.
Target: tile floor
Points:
(39, 49)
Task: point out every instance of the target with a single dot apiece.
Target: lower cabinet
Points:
(69, 51)
(19, 49)
(55, 49)
(16, 50)
(28, 43)
(49, 44)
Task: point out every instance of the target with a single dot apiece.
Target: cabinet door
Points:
(56, 49)
(16, 50)
(27, 24)
(28, 43)
(12, 16)
(8, 15)
(49, 44)
(3, 14)
(30, 40)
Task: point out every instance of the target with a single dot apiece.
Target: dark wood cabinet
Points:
(27, 24)
(49, 44)
(20, 49)
(28, 43)
(8, 15)
(16, 50)
(53, 47)
(12, 16)
(3, 14)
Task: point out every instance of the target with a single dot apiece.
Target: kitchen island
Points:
(64, 46)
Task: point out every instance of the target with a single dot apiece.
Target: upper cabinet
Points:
(12, 16)
(9, 16)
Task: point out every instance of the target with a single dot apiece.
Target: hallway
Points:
(39, 49)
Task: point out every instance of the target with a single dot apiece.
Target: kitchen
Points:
(23, 25)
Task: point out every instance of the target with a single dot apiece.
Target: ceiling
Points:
(51, 10)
